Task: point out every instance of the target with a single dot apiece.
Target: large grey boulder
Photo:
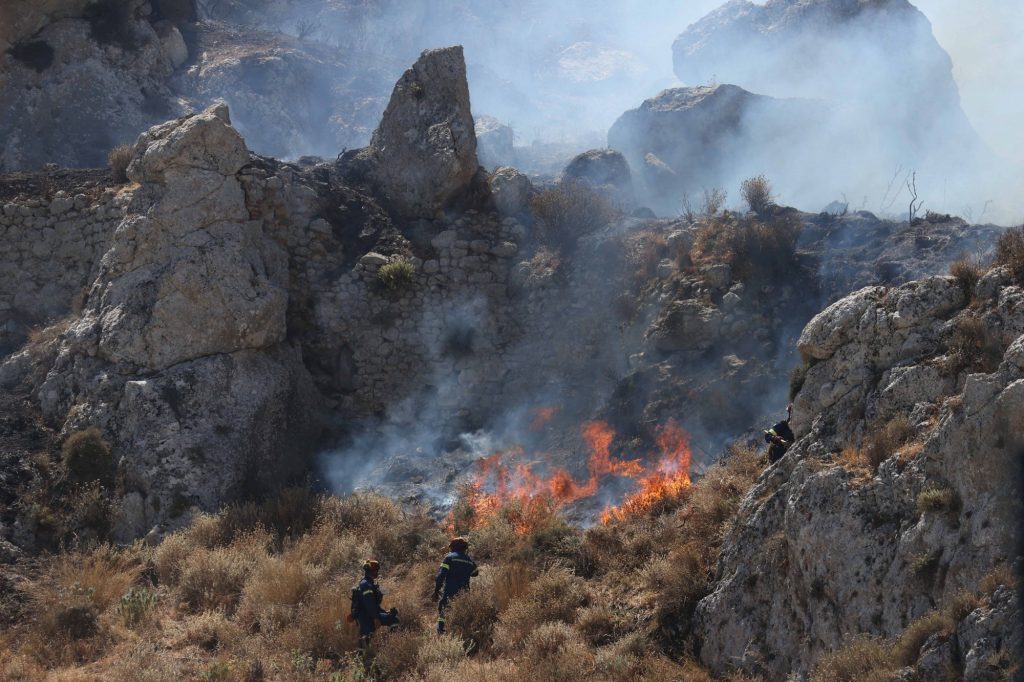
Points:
(686, 139)
(606, 170)
(180, 355)
(424, 150)
(822, 547)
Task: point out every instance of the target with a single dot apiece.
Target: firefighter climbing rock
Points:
(366, 604)
(779, 438)
(453, 577)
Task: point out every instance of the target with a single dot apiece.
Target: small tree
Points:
(757, 192)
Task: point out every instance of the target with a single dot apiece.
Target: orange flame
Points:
(541, 417)
(505, 482)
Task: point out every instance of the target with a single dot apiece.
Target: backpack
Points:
(354, 610)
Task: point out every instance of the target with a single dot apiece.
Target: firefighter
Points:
(779, 438)
(453, 576)
(366, 604)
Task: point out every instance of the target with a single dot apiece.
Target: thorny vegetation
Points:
(262, 593)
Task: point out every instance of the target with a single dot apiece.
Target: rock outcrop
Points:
(180, 355)
(82, 78)
(423, 153)
(607, 171)
(686, 139)
(494, 142)
(825, 546)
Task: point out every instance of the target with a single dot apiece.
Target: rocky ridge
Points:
(824, 547)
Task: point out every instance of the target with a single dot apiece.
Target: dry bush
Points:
(511, 582)
(908, 645)
(863, 659)
(644, 251)
(143, 662)
(211, 631)
(713, 201)
(397, 652)
(439, 652)
(320, 628)
(472, 615)
(215, 578)
(275, 590)
(972, 347)
(1001, 575)
(570, 210)
(883, 442)
(679, 581)
(87, 457)
(476, 670)
(967, 271)
(554, 595)
(40, 337)
(753, 249)
(118, 159)
(599, 625)
(1010, 252)
(757, 192)
(554, 651)
(937, 499)
(962, 604)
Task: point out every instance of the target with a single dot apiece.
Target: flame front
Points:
(507, 480)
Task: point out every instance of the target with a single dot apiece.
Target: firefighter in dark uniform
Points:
(453, 577)
(779, 438)
(366, 604)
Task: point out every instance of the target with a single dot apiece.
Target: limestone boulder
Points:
(512, 191)
(424, 150)
(494, 142)
(605, 170)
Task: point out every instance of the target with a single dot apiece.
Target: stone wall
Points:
(49, 257)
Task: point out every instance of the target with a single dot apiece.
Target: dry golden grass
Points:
(1010, 252)
(967, 271)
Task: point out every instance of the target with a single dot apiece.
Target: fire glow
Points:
(534, 486)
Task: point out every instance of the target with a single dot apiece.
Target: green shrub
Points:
(87, 457)
(757, 192)
(937, 499)
(1010, 252)
(118, 160)
(135, 605)
(396, 274)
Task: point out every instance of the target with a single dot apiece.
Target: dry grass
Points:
(396, 274)
(865, 659)
(937, 499)
(262, 592)
(884, 441)
(971, 347)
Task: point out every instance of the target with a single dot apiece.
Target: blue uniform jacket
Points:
(370, 598)
(456, 570)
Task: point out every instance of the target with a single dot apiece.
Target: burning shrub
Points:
(118, 160)
(757, 192)
(1010, 252)
(396, 274)
(570, 210)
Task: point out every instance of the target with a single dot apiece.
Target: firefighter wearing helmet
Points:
(366, 604)
(453, 577)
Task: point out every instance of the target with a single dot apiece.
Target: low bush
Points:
(1010, 252)
(971, 347)
(118, 159)
(755, 250)
(396, 274)
(865, 659)
(135, 605)
(908, 645)
(967, 271)
(87, 457)
(757, 192)
(883, 441)
(570, 210)
(937, 499)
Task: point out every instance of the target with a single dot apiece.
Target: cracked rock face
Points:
(180, 354)
(822, 548)
(425, 145)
